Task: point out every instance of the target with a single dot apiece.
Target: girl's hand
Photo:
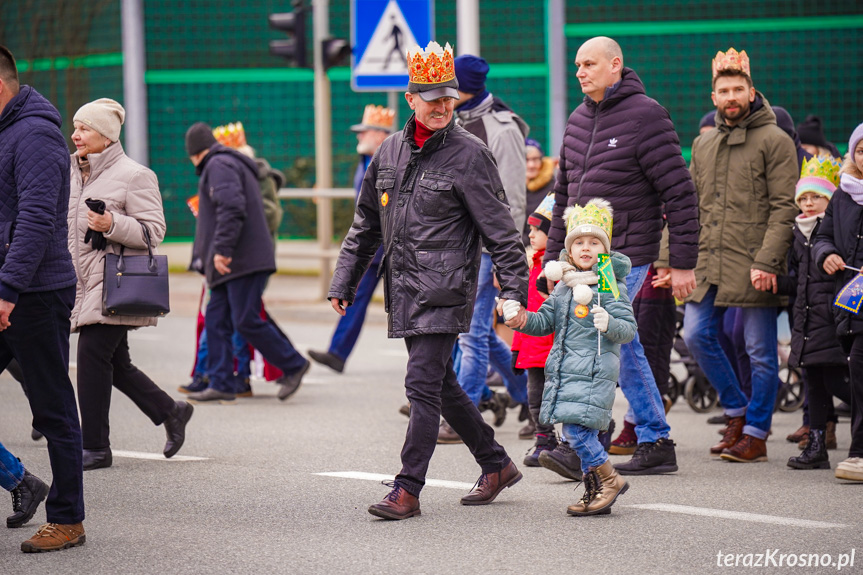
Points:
(833, 263)
(600, 318)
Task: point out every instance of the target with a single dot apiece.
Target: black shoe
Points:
(405, 410)
(524, 412)
(497, 403)
(26, 497)
(97, 458)
(562, 460)
(651, 459)
(605, 436)
(720, 419)
(543, 443)
(35, 434)
(814, 456)
(175, 428)
(528, 431)
(289, 384)
(214, 395)
(199, 383)
(328, 359)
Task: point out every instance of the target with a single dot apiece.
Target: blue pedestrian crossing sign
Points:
(381, 33)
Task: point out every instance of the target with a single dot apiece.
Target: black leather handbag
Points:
(136, 285)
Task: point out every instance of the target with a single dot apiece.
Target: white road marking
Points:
(154, 456)
(382, 477)
(736, 515)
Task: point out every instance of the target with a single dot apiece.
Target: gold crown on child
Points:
(232, 135)
(433, 65)
(826, 167)
(596, 212)
(731, 60)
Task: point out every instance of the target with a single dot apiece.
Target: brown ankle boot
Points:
(602, 487)
(398, 504)
(54, 537)
(748, 450)
(732, 434)
(799, 435)
(830, 435)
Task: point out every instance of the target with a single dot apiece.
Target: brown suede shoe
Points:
(489, 485)
(602, 486)
(398, 504)
(748, 450)
(446, 435)
(732, 434)
(54, 537)
(801, 433)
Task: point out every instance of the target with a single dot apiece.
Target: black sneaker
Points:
(497, 403)
(289, 384)
(26, 497)
(651, 459)
(328, 359)
(562, 460)
(199, 383)
(543, 443)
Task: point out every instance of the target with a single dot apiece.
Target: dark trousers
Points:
(39, 340)
(822, 383)
(432, 388)
(855, 364)
(103, 363)
(349, 326)
(236, 304)
(535, 385)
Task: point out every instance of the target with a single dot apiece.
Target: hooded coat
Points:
(579, 383)
(745, 177)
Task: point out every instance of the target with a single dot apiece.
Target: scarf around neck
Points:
(806, 225)
(853, 187)
(572, 276)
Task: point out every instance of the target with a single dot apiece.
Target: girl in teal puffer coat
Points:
(582, 369)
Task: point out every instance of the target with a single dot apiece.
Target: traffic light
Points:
(335, 51)
(294, 25)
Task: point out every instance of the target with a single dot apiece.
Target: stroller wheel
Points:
(699, 394)
(791, 393)
(674, 388)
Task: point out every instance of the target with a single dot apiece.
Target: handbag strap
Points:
(151, 261)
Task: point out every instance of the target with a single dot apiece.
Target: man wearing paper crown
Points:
(432, 197)
(621, 146)
(584, 362)
(744, 171)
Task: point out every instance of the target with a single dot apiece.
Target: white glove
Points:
(600, 318)
(510, 309)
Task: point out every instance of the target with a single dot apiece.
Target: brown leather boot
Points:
(748, 450)
(398, 504)
(601, 491)
(732, 434)
(801, 433)
(446, 435)
(54, 537)
(489, 485)
(830, 435)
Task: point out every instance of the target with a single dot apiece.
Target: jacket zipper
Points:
(121, 274)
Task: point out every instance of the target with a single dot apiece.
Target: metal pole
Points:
(393, 104)
(323, 140)
(134, 88)
(558, 110)
(467, 27)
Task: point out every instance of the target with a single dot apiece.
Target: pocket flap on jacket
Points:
(436, 181)
(386, 179)
(441, 261)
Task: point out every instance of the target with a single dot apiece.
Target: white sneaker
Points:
(851, 468)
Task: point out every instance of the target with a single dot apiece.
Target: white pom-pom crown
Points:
(582, 294)
(553, 271)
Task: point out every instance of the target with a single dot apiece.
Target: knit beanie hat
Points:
(199, 137)
(811, 132)
(531, 143)
(471, 72)
(594, 219)
(856, 136)
(103, 115)
(541, 218)
(708, 119)
(819, 176)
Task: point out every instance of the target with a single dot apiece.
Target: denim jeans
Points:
(646, 410)
(481, 345)
(701, 325)
(242, 355)
(349, 326)
(432, 389)
(11, 470)
(585, 442)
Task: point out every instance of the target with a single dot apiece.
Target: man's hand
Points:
(222, 264)
(763, 281)
(833, 263)
(662, 278)
(340, 305)
(99, 222)
(682, 283)
(6, 308)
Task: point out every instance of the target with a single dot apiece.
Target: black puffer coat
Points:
(813, 335)
(841, 232)
(432, 208)
(625, 150)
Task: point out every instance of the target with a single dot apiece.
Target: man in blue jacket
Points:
(234, 250)
(37, 292)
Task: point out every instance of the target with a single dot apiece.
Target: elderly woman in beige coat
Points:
(102, 171)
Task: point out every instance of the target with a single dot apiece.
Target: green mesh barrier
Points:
(579, 11)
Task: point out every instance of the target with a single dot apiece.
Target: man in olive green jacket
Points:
(745, 172)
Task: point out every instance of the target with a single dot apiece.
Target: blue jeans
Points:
(481, 345)
(701, 325)
(241, 354)
(11, 470)
(636, 379)
(585, 442)
(349, 326)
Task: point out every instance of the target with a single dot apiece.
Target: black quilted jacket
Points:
(34, 198)
(625, 150)
(432, 208)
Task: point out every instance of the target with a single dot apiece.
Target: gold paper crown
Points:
(731, 60)
(433, 65)
(825, 167)
(596, 212)
(378, 117)
(231, 135)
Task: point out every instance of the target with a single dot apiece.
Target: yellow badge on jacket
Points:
(385, 199)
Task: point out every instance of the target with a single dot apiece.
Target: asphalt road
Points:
(246, 494)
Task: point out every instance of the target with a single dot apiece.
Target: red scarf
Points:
(421, 134)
